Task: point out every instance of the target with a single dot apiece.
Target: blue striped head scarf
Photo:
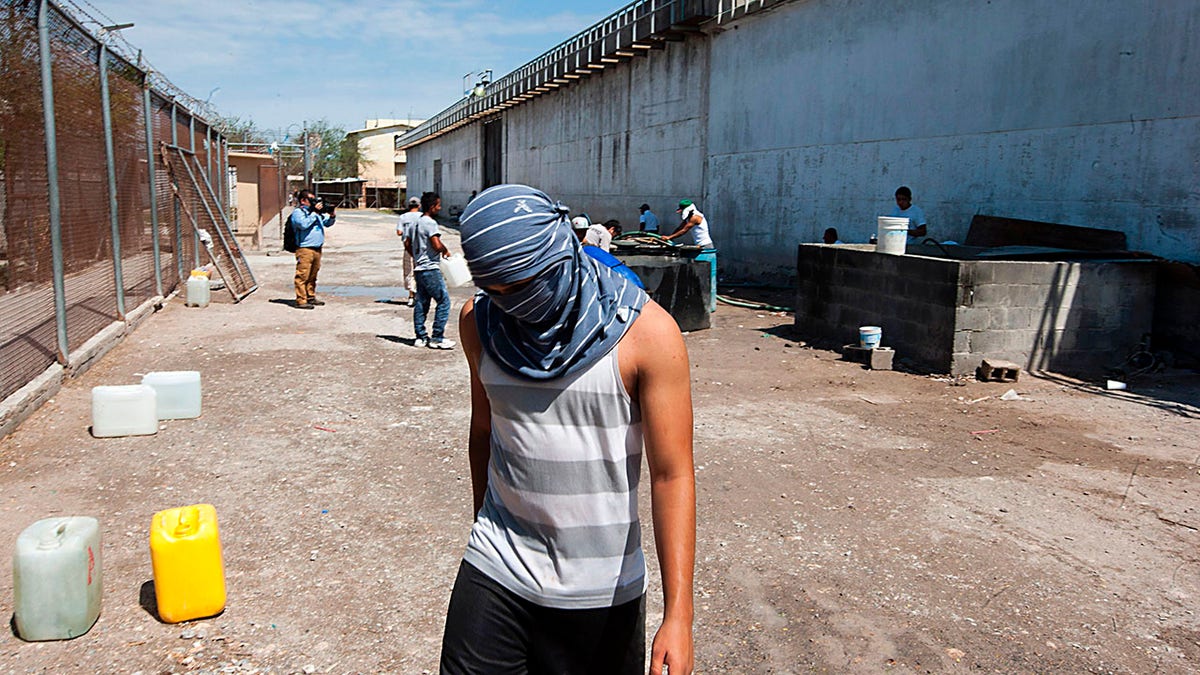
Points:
(571, 312)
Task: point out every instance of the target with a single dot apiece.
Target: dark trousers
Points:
(490, 630)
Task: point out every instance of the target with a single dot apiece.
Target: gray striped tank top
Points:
(559, 523)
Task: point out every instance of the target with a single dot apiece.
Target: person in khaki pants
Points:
(309, 221)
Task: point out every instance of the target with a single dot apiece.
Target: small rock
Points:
(310, 669)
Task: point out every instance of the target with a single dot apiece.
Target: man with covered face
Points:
(573, 371)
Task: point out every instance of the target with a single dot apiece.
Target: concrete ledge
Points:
(146, 309)
(23, 402)
(96, 347)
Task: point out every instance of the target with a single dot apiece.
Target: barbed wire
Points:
(115, 42)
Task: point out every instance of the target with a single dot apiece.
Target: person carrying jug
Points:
(574, 372)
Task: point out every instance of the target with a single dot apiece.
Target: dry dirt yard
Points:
(849, 520)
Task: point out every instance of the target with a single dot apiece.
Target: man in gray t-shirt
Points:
(424, 242)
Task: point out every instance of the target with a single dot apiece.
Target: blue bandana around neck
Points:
(570, 313)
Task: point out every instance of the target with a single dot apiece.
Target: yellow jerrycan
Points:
(189, 575)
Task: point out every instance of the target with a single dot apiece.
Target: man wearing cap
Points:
(691, 220)
(647, 222)
(404, 230)
(573, 369)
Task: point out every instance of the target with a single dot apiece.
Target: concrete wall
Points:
(1075, 112)
(629, 134)
(459, 152)
(1069, 317)
(789, 121)
(948, 315)
(912, 298)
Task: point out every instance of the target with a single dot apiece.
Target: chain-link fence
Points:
(89, 228)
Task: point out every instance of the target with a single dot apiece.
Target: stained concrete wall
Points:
(630, 134)
(948, 315)
(809, 115)
(459, 153)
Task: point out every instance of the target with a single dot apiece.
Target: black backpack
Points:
(289, 237)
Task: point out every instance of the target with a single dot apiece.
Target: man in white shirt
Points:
(906, 209)
(404, 230)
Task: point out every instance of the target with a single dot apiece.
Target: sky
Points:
(280, 62)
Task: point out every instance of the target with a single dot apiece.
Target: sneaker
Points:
(420, 342)
(305, 305)
(318, 303)
(442, 344)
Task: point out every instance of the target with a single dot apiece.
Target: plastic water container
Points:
(198, 292)
(893, 235)
(124, 410)
(177, 393)
(869, 337)
(455, 270)
(56, 578)
(185, 552)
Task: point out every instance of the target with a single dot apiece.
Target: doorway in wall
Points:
(437, 176)
(493, 152)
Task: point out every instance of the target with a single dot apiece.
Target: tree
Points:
(241, 130)
(333, 154)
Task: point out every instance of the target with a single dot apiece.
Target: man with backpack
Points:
(307, 224)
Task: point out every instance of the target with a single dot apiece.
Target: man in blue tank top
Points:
(574, 370)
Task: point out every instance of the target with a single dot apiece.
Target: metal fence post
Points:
(196, 243)
(208, 149)
(175, 201)
(110, 164)
(152, 175)
(53, 197)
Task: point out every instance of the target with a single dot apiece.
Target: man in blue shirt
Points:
(309, 221)
(648, 222)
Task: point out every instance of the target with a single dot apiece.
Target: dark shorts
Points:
(489, 629)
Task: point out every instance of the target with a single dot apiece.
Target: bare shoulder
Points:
(653, 337)
(468, 332)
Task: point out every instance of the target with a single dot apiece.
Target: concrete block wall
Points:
(911, 298)
(1070, 317)
(948, 315)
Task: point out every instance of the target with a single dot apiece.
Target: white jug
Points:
(177, 393)
(198, 293)
(56, 578)
(455, 270)
(124, 410)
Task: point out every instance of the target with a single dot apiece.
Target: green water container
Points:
(56, 578)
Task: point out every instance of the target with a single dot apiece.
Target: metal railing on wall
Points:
(88, 231)
(636, 27)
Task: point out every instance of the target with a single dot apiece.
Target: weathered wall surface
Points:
(459, 153)
(629, 134)
(810, 115)
(1082, 113)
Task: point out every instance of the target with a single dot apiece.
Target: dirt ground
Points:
(849, 520)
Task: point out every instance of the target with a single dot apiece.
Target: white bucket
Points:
(869, 337)
(893, 235)
(455, 270)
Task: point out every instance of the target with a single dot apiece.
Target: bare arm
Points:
(663, 391)
(436, 242)
(479, 443)
(684, 227)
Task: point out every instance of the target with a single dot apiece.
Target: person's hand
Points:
(446, 254)
(673, 647)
